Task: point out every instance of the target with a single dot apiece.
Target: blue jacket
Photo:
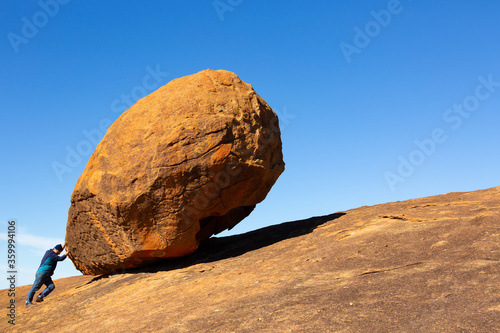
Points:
(49, 262)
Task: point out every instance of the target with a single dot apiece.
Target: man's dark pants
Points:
(40, 280)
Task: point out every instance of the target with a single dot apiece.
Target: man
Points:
(44, 273)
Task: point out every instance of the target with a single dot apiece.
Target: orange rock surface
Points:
(185, 162)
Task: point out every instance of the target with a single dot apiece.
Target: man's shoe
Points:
(29, 304)
(39, 299)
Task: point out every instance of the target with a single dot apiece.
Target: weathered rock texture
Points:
(183, 163)
(423, 265)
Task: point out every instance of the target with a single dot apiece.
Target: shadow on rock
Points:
(215, 248)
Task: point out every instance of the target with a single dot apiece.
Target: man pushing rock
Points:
(44, 273)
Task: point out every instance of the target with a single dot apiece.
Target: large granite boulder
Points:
(185, 162)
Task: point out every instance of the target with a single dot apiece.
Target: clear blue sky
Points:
(378, 101)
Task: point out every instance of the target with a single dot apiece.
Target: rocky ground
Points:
(423, 265)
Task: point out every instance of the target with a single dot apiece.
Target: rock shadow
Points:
(219, 248)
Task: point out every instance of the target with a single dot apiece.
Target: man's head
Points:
(58, 248)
